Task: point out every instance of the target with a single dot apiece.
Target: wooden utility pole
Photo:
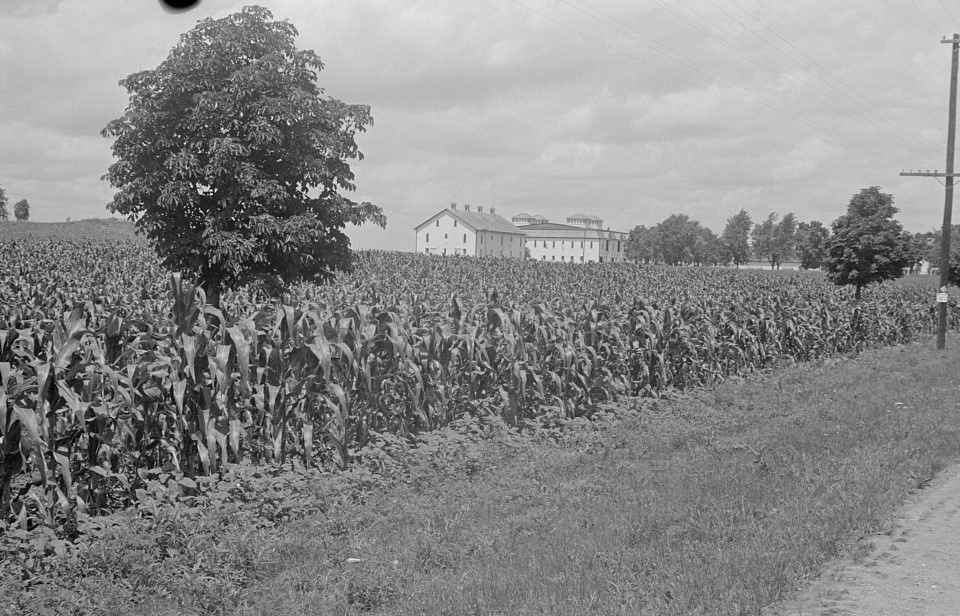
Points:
(948, 176)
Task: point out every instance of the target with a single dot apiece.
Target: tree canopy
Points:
(678, 236)
(707, 249)
(735, 239)
(774, 240)
(232, 161)
(676, 240)
(812, 240)
(867, 244)
(643, 245)
(21, 210)
(930, 250)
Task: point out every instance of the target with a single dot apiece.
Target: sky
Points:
(630, 110)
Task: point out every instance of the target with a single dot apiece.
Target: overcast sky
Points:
(630, 110)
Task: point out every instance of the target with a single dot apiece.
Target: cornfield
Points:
(115, 373)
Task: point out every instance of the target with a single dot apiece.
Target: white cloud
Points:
(633, 112)
(805, 159)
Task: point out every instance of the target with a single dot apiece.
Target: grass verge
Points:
(714, 502)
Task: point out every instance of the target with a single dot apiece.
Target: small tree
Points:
(812, 240)
(4, 214)
(736, 239)
(867, 244)
(21, 210)
(232, 162)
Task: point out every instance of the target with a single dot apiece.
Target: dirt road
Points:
(912, 571)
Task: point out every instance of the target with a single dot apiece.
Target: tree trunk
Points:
(857, 295)
(211, 288)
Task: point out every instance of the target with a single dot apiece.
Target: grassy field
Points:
(461, 436)
(715, 502)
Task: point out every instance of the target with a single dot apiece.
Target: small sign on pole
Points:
(941, 298)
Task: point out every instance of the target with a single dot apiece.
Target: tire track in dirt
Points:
(913, 571)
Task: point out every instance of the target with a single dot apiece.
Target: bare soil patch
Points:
(909, 571)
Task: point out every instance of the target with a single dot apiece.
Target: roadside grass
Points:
(719, 501)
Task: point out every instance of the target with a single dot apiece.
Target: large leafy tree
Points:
(643, 245)
(707, 249)
(867, 244)
(21, 210)
(678, 237)
(812, 240)
(232, 160)
(735, 239)
(4, 214)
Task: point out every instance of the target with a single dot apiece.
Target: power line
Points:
(927, 17)
(830, 133)
(643, 38)
(660, 47)
(949, 13)
(853, 95)
(744, 52)
(762, 57)
(602, 42)
(906, 136)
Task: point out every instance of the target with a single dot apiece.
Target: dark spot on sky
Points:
(178, 6)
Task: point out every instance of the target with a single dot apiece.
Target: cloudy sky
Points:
(630, 110)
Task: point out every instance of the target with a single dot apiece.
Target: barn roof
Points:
(556, 229)
(477, 221)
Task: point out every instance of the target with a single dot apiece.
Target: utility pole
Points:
(948, 176)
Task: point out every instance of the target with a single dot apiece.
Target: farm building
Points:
(582, 239)
(467, 232)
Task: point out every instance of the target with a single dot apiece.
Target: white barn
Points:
(582, 240)
(468, 232)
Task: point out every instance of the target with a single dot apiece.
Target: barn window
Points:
(464, 238)
(444, 236)
(554, 244)
(454, 223)
(618, 245)
(438, 222)
(428, 238)
(591, 244)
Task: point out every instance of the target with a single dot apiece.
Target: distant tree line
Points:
(21, 209)
(863, 246)
(678, 240)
